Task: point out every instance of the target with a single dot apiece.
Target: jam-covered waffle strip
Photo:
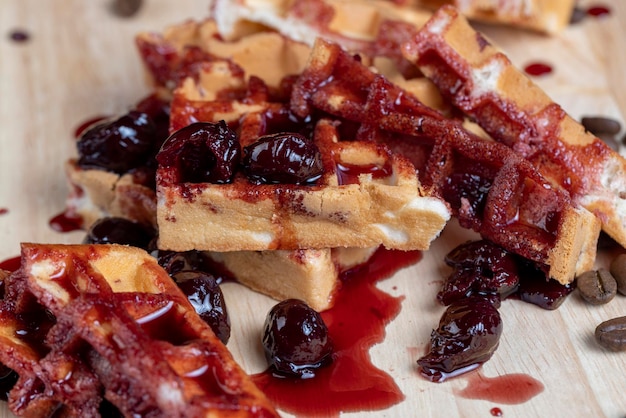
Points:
(118, 327)
(484, 84)
(368, 26)
(549, 16)
(189, 48)
(490, 188)
(379, 204)
(383, 205)
(49, 378)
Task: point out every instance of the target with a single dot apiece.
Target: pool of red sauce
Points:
(356, 322)
(10, 264)
(598, 11)
(537, 69)
(65, 222)
(508, 389)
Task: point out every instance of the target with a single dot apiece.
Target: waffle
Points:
(484, 84)
(489, 187)
(96, 194)
(366, 25)
(384, 205)
(310, 275)
(233, 217)
(547, 16)
(82, 327)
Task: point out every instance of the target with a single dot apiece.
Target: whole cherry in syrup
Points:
(118, 145)
(295, 339)
(480, 267)
(468, 334)
(115, 230)
(204, 294)
(285, 158)
(202, 152)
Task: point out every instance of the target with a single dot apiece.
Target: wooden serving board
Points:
(81, 62)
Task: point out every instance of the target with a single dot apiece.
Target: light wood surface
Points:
(81, 62)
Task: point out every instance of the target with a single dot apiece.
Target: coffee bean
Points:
(601, 125)
(125, 8)
(618, 270)
(611, 334)
(597, 286)
(578, 14)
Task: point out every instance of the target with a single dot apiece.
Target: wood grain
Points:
(81, 62)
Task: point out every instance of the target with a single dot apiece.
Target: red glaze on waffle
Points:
(484, 84)
(489, 187)
(83, 325)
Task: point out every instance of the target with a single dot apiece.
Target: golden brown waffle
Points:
(233, 217)
(548, 16)
(490, 188)
(83, 323)
(384, 205)
(484, 84)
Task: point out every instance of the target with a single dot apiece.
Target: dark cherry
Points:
(537, 288)
(295, 339)
(174, 262)
(468, 334)
(204, 294)
(114, 230)
(202, 152)
(460, 187)
(118, 145)
(284, 158)
(480, 267)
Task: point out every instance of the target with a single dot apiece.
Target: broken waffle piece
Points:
(87, 324)
(483, 83)
(489, 188)
(547, 16)
(362, 195)
(308, 275)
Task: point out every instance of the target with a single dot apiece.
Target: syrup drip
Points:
(349, 173)
(537, 69)
(19, 36)
(65, 222)
(508, 389)
(495, 412)
(4, 211)
(355, 323)
(598, 11)
(11, 264)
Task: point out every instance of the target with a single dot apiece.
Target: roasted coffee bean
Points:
(601, 125)
(578, 14)
(618, 270)
(611, 334)
(597, 286)
(125, 8)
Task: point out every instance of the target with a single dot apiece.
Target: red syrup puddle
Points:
(508, 389)
(4, 211)
(65, 222)
(598, 11)
(356, 322)
(11, 264)
(537, 69)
